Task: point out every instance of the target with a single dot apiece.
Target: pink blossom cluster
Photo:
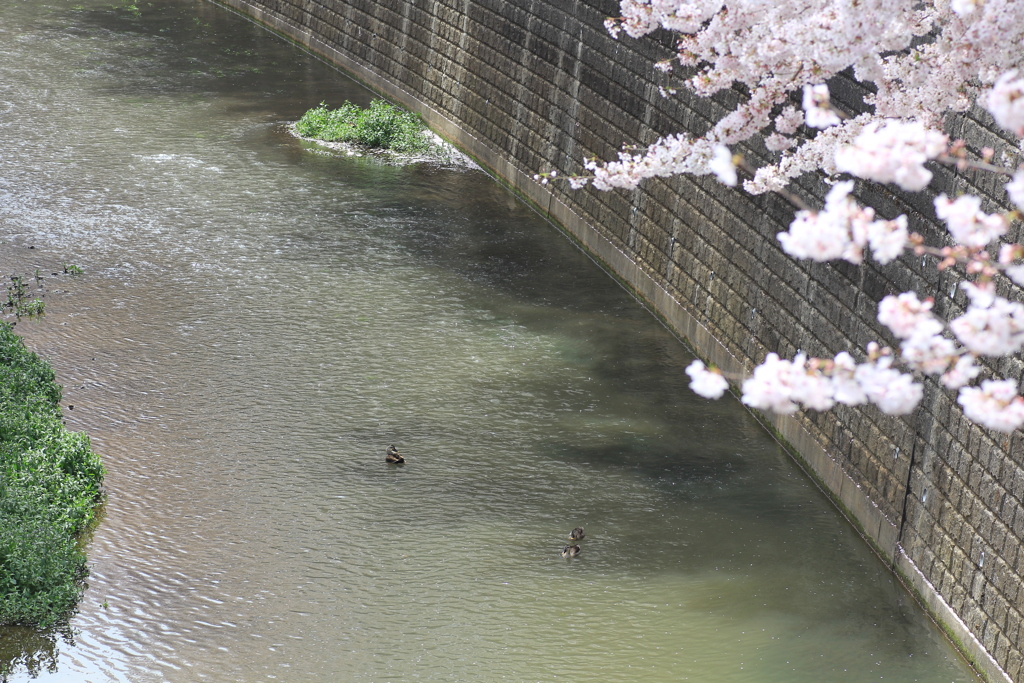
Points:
(892, 152)
(783, 386)
(995, 404)
(1015, 189)
(1008, 255)
(924, 348)
(1005, 101)
(705, 382)
(673, 155)
(992, 325)
(968, 225)
(921, 59)
(842, 230)
(818, 107)
(906, 315)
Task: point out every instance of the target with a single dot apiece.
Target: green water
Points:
(257, 322)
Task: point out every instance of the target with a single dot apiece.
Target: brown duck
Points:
(393, 456)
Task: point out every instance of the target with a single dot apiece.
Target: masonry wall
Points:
(532, 85)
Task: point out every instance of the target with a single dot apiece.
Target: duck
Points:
(570, 551)
(393, 456)
(577, 534)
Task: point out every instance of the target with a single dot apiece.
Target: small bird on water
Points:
(393, 456)
(570, 551)
(577, 534)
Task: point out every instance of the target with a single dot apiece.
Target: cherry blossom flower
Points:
(816, 236)
(842, 230)
(887, 238)
(961, 373)
(920, 60)
(782, 386)
(906, 315)
(963, 7)
(1015, 189)
(770, 388)
(671, 155)
(1008, 253)
(893, 392)
(846, 389)
(810, 386)
(992, 325)
(995, 405)
(1016, 274)
(893, 152)
(705, 382)
(968, 225)
(789, 120)
(826, 234)
(980, 293)
(928, 353)
(722, 166)
(818, 108)
(778, 143)
(1005, 101)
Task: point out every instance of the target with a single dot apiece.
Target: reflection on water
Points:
(28, 651)
(257, 322)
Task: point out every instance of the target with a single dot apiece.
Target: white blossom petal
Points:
(706, 383)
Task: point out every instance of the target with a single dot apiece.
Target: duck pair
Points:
(573, 550)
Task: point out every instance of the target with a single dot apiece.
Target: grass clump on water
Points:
(50, 485)
(381, 126)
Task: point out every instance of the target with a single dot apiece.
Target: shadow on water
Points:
(195, 48)
(677, 463)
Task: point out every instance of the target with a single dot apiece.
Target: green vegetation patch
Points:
(50, 485)
(381, 126)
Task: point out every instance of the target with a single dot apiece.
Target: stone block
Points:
(1013, 624)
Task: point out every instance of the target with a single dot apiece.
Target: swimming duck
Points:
(570, 551)
(394, 456)
(577, 534)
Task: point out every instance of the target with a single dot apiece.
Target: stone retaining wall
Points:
(530, 85)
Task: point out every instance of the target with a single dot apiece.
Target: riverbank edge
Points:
(849, 497)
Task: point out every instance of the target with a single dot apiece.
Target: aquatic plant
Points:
(50, 484)
(381, 126)
(19, 301)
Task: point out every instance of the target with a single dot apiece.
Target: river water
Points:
(257, 322)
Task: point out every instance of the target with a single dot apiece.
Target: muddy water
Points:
(256, 322)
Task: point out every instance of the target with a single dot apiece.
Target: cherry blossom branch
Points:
(921, 59)
(963, 163)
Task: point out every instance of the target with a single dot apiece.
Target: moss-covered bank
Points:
(50, 485)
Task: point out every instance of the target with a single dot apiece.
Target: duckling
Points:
(577, 534)
(570, 551)
(393, 456)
